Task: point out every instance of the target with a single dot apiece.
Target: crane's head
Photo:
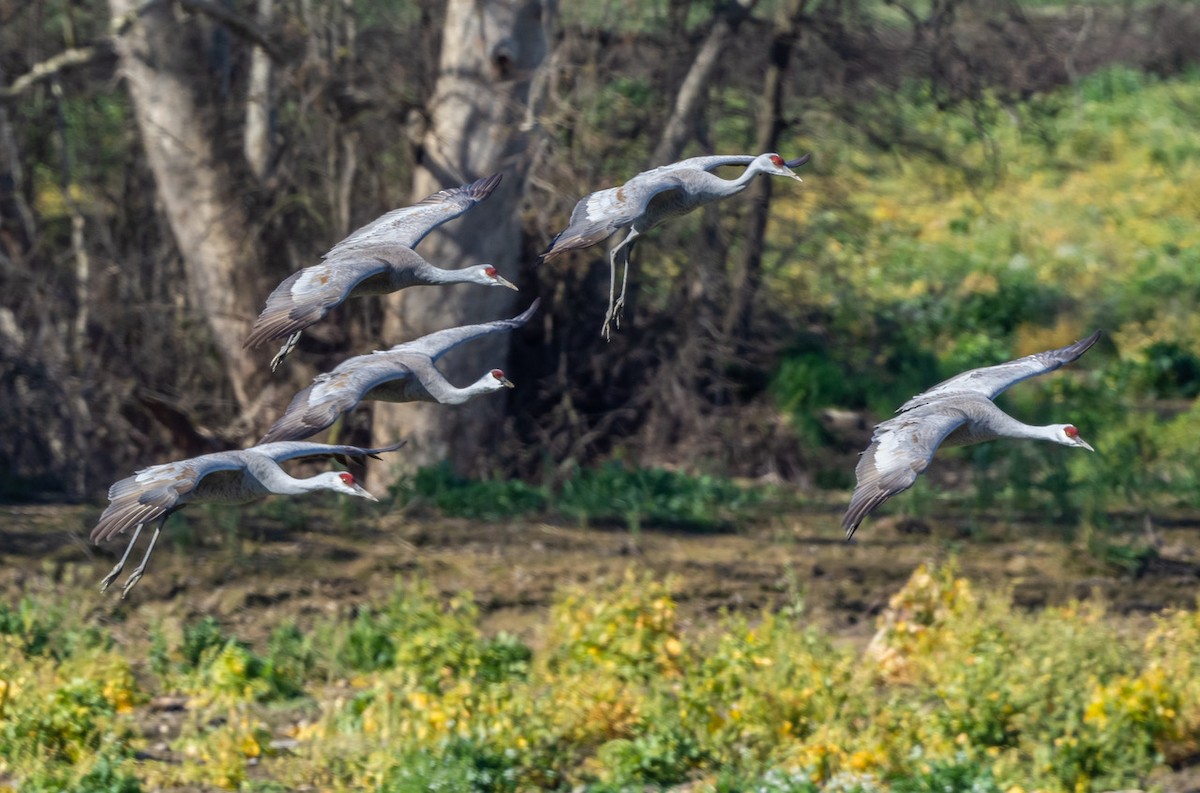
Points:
(1068, 435)
(487, 275)
(777, 166)
(499, 380)
(344, 482)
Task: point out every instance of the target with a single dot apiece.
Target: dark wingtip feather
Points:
(796, 163)
(482, 188)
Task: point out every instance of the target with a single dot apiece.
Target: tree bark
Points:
(490, 52)
(747, 271)
(681, 125)
(161, 62)
(257, 141)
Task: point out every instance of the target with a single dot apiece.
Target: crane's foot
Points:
(108, 579)
(279, 356)
(134, 577)
(285, 350)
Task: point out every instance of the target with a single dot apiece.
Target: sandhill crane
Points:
(232, 477)
(377, 259)
(650, 198)
(956, 412)
(404, 373)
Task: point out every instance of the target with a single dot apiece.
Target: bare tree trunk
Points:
(257, 141)
(162, 66)
(490, 52)
(680, 126)
(747, 272)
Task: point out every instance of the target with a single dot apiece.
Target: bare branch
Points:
(695, 85)
(67, 59)
(246, 28)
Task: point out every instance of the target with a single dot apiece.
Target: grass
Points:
(609, 494)
(957, 691)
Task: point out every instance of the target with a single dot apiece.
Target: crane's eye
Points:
(1071, 432)
(498, 374)
(491, 271)
(348, 479)
(776, 160)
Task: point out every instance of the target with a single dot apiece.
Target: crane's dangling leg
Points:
(616, 304)
(287, 347)
(136, 575)
(116, 571)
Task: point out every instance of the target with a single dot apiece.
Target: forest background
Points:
(989, 179)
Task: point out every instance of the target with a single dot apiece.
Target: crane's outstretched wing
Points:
(153, 492)
(598, 215)
(901, 448)
(440, 342)
(711, 161)
(307, 295)
(991, 381)
(407, 226)
(292, 450)
(333, 393)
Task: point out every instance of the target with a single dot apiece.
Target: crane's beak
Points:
(505, 282)
(1084, 444)
(504, 381)
(359, 490)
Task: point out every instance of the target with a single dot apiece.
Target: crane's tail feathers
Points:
(796, 163)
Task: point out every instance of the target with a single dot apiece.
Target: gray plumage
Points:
(377, 259)
(230, 477)
(404, 373)
(650, 198)
(956, 412)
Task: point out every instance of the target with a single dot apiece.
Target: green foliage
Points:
(651, 495)
(636, 497)
(210, 660)
(1022, 228)
(459, 497)
(956, 691)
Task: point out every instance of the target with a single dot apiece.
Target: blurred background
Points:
(988, 180)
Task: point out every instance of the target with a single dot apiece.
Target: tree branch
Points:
(67, 59)
(695, 85)
(239, 24)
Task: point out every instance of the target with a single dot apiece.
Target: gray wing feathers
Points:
(438, 343)
(408, 225)
(599, 214)
(153, 492)
(991, 381)
(711, 161)
(307, 295)
(332, 394)
(901, 448)
(291, 450)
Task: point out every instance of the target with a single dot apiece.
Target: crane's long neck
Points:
(431, 275)
(995, 423)
(278, 481)
(483, 385)
(735, 186)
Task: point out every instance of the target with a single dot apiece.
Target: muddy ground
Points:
(254, 568)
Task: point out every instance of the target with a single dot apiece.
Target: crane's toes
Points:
(108, 579)
(134, 577)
